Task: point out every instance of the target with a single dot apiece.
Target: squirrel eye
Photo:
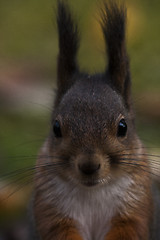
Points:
(57, 129)
(122, 128)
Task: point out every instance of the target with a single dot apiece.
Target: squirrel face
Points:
(93, 120)
(90, 126)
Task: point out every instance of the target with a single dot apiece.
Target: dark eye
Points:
(122, 128)
(57, 129)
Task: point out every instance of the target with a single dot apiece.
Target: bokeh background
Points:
(28, 52)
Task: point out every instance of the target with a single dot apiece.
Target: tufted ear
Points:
(68, 46)
(114, 26)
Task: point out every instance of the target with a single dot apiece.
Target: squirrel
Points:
(93, 180)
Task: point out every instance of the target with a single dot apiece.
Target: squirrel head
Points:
(93, 120)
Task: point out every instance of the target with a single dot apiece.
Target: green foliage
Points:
(28, 33)
(22, 136)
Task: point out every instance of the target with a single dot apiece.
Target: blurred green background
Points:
(28, 52)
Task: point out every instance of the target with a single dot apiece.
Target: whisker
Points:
(34, 156)
(136, 148)
(137, 160)
(42, 105)
(15, 190)
(141, 168)
(32, 168)
(27, 176)
(141, 159)
(139, 154)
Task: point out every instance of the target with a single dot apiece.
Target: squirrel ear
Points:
(113, 25)
(68, 46)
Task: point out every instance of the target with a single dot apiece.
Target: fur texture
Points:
(93, 178)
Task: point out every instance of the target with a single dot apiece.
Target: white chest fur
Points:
(92, 215)
(91, 208)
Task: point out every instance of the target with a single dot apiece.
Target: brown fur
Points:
(87, 155)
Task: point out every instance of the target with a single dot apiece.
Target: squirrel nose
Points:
(89, 168)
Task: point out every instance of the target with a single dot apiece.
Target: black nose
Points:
(89, 168)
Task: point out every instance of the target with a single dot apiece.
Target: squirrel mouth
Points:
(90, 183)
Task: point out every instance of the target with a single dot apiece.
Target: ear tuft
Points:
(68, 46)
(114, 26)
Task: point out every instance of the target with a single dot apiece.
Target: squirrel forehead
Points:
(92, 99)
